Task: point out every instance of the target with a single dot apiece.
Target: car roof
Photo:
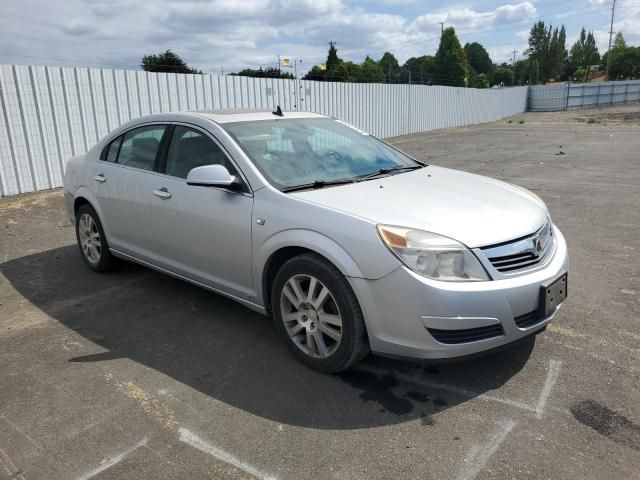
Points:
(225, 116)
(248, 115)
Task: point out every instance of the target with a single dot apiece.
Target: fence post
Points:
(598, 96)
(566, 106)
(613, 87)
(626, 93)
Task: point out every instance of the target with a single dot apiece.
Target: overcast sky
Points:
(210, 34)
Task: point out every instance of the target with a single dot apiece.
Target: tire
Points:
(302, 309)
(96, 253)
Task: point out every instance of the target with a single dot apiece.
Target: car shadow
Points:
(224, 350)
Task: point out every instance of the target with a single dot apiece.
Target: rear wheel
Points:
(92, 241)
(318, 315)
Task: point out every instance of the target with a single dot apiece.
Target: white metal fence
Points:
(49, 114)
(570, 96)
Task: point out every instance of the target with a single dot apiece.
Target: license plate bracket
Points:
(553, 294)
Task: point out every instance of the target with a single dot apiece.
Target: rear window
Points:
(110, 152)
(140, 146)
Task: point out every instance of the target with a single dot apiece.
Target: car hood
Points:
(472, 209)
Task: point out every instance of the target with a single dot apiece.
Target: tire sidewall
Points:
(105, 256)
(350, 313)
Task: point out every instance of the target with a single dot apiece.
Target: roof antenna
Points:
(278, 112)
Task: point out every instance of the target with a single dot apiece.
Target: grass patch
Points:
(521, 122)
(510, 121)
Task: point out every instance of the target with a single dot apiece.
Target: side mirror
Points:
(213, 176)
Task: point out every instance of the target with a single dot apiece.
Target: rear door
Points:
(203, 233)
(125, 177)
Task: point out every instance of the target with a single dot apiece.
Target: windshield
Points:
(300, 151)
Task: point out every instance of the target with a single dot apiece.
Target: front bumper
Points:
(405, 312)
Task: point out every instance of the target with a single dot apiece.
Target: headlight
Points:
(433, 255)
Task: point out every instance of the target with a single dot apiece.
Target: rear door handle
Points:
(100, 178)
(163, 193)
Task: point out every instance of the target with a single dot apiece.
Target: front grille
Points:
(522, 253)
(466, 335)
(514, 262)
(528, 319)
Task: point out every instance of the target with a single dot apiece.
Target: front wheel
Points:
(318, 315)
(92, 241)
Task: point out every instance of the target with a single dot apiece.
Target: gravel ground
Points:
(136, 375)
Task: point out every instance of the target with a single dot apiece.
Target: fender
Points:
(84, 192)
(304, 238)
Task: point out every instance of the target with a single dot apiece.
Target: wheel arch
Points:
(286, 245)
(84, 196)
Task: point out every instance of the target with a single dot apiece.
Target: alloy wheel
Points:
(311, 316)
(89, 237)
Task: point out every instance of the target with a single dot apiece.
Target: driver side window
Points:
(189, 149)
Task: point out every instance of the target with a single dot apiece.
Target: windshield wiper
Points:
(317, 184)
(385, 171)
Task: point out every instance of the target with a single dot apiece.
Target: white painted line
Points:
(463, 392)
(552, 376)
(190, 438)
(111, 461)
(6, 467)
(17, 429)
(12, 466)
(477, 457)
(9, 466)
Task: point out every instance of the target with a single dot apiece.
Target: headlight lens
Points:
(433, 255)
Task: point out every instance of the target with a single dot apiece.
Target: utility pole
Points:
(441, 28)
(278, 63)
(513, 68)
(613, 11)
(221, 70)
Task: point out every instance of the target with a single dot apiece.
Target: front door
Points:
(203, 233)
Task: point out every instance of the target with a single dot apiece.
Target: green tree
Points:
(584, 52)
(478, 58)
(269, 72)
(451, 61)
(534, 73)
(332, 58)
(166, 62)
(521, 71)
(561, 56)
(482, 81)
(316, 73)
(390, 66)
(580, 74)
(547, 46)
(503, 75)
(419, 69)
(619, 43)
(371, 71)
(624, 63)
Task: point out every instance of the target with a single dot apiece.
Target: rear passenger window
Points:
(110, 153)
(140, 147)
(190, 149)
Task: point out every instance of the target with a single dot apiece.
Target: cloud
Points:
(250, 33)
(468, 18)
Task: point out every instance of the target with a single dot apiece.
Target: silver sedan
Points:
(349, 244)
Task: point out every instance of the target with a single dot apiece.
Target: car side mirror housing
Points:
(213, 176)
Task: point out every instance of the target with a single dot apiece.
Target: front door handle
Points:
(163, 193)
(100, 178)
